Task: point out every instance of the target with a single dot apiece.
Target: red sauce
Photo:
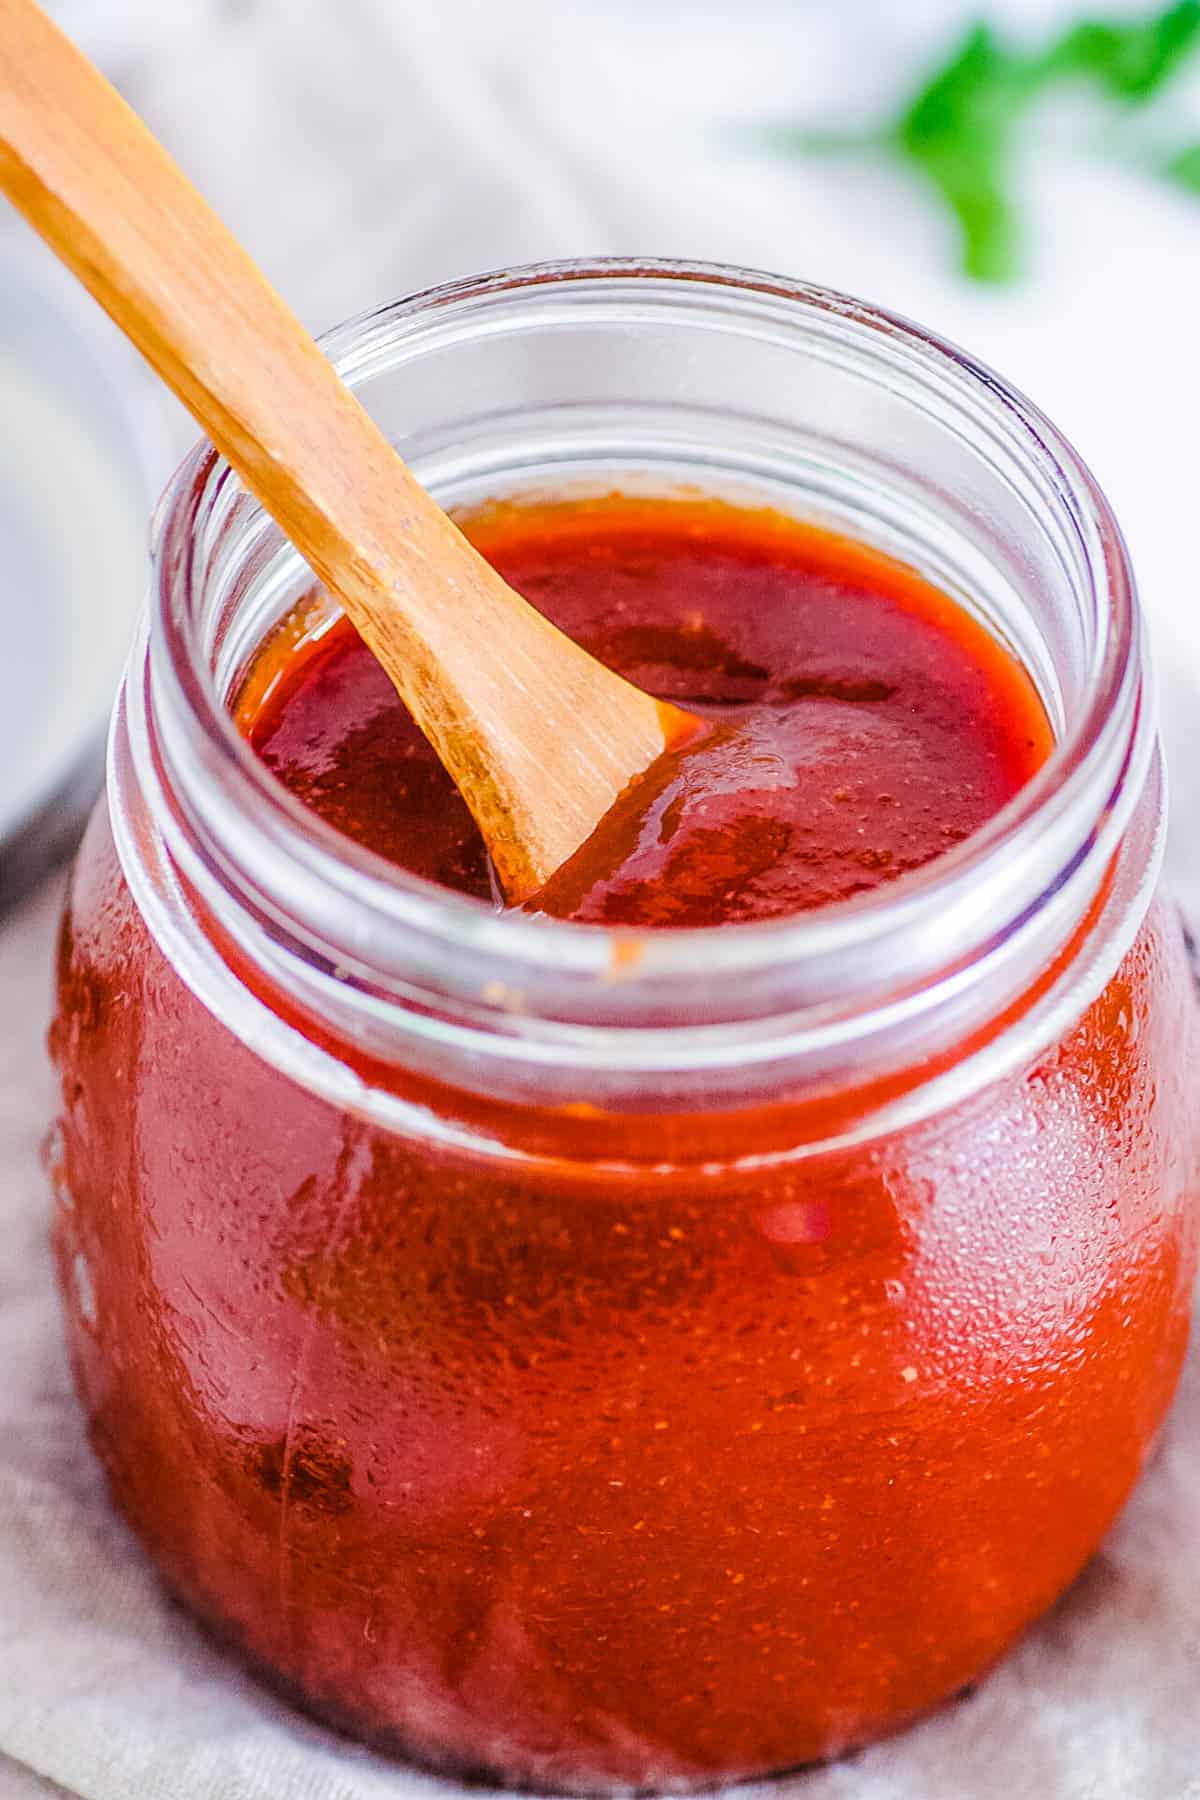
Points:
(858, 723)
(674, 1461)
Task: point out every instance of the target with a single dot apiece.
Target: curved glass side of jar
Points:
(567, 1395)
(593, 1478)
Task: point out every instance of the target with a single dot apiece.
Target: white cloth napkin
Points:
(384, 144)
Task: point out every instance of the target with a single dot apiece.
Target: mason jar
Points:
(596, 1371)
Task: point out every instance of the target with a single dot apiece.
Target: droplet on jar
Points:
(85, 1288)
(796, 1222)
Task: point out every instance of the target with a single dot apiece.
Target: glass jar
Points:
(606, 1363)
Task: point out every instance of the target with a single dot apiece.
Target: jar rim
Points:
(406, 957)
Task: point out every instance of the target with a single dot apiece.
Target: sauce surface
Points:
(858, 721)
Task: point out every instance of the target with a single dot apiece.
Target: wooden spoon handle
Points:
(539, 737)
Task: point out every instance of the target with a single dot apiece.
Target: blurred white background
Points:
(370, 146)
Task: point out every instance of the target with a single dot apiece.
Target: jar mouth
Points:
(400, 941)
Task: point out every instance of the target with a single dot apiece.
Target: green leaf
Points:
(975, 99)
(1184, 168)
(987, 220)
(1130, 61)
(959, 132)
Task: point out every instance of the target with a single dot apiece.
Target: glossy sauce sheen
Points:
(857, 722)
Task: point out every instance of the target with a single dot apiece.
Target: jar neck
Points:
(389, 995)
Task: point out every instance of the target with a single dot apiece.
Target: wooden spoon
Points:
(540, 738)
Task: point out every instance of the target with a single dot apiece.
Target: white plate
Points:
(82, 453)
